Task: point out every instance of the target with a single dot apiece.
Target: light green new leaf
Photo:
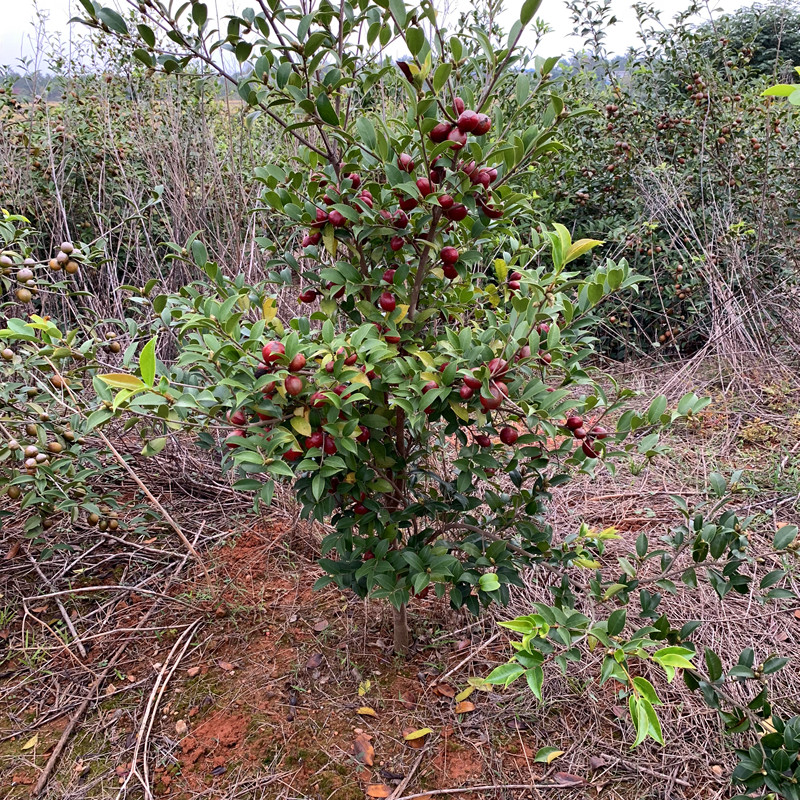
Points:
(577, 249)
(147, 362)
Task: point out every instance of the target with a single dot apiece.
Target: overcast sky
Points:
(17, 33)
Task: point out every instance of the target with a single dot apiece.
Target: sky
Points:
(17, 32)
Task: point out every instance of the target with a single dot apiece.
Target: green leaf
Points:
(147, 362)
(657, 408)
(529, 9)
(366, 130)
(784, 537)
(713, 664)
(505, 673)
(326, 110)
(781, 90)
(616, 622)
(577, 249)
(547, 755)
(535, 678)
(154, 446)
(121, 380)
(398, 9)
(441, 75)
(113, 20)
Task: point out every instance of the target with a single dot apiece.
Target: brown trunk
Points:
(401, 634)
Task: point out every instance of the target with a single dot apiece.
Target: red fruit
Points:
(429, 387)
(482, 125)
(450, 271)
(400, 219)
(297, 363)
(369, 555)
(355, 179)
(495, 400)
(408, 204)
(315, 440)
(498, 367)
(372, 375)
(272, 351)
(308, 296)
(238, 418)
(329, 445)
(508, 436)
(351, 359)
(458, 105)
(514, 286)
(446, 201)
(436, 175)
(337, 219)
(457, 138)
(449, 255)
(542, 327)
(269, 389)
(491, 211)
(366, 199)
(524, 352)
(322, 218)
(443, 367)
(599, 432)
(579, 433)
(396, 243)
(240, 433)
(405, 162)
(339, 389)
(388, 275)
(545, 358)
(492, 175)
(387, 302)
(472, 382)
(293, 385)
(588, 450)
(363, 436)
(439, 133)
(360, 508)
(309, 239)
(456, 212)
(482, 177)
(502, 387)
(467, 121)
(483, 441)
(392, 339)
(424, 186)
(317, 400)
(574, 422)
(465, 392)
(329, 201)
(515, 276)
(292, 455)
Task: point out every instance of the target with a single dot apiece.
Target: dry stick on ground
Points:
(616, 762)
(409, 775)
(143, 734)
(78, 715)
(470, 656)
(498, 787)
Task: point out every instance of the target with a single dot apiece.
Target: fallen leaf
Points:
(364, 687)
(416, 738)
(465, 694)
(226, 665)
(181, 728)
(121, 770)
(547, 755)
(12, 551)
(110, 689)
(464, 707)
(716, 769)
(193, 672)
(314, 661)
(378, 790)
(363, 749)
(321, 625)
(32, 742)
(480, 684)
(39, 609)
(445, 690)
(596, 762)
(366, 711)
(797, 614)
(565, 779)
(462, 644)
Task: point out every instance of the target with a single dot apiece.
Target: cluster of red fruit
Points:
(584, 436)
(468, 121)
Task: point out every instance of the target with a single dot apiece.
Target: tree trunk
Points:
(401, 634)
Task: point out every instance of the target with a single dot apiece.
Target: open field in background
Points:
(263, 680)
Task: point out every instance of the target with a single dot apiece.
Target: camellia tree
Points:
(437, 388)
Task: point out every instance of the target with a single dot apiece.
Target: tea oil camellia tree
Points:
(437, 389)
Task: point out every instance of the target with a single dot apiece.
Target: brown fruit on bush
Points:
(67, 247)
(71, 267)
(7, 354)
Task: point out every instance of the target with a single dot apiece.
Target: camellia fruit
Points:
(495, 400)
(297, 363)
(292, 455)
(424, 186)
(467, 121)
(388, 275)
(314, 440)
(440, 132)
(272, 351)
(599, 432)
(457, 139)
(396, 243)
(308, 296)
(472, 382)
(508, 436)
(482, 126)
(588, 450)
(450, 271)
(574, 422)
(387, 302)
(498, 368)
(405, 162)
(449, 255)
(465, 392)
(429, 387)
(446, 201)
(483, 440)
(238, 418)
(317, 400)
(514, 286)
(238, 434)
(579, 433)
(337, 219)
(456, 212)
(458, 105)
(328, 445)
(293, 385)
